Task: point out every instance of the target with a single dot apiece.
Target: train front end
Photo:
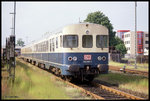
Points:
(85, 50)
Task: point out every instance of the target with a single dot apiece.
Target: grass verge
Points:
(127, 81)
(141, 67)
(33, 83)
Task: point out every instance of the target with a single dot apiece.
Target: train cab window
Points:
(101, 41)
(70, 41)
(87, 41)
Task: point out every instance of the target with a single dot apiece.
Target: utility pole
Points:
(135, 36)
(12, 48)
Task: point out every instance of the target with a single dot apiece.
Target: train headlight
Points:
(74, 58)
(70, 58)
(99, 58)
(104, 58)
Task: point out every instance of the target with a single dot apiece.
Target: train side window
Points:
(42, 46)
(50, 45)
(39, 47)
(56, 42)
(46, 45)
(87, 41)
(53, 45)
(61, 41)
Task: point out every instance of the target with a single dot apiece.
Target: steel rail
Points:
(143, 73)
(117, 92)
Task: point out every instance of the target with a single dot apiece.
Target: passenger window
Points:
(61, 42)
(53, 45)
(50, 45)
(87, 41)
(101, 41)
(46, 45)
(56, 42)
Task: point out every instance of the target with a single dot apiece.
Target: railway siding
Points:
(142, 73)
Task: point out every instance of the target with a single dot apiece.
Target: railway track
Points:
(99, 91)
(104, 93)
(142, 73)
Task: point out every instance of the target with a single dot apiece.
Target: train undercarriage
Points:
(81, 74)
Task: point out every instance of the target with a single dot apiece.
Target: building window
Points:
(146, 35)
(128, 48)
(146, 42)
(139, 41)
(147, 48)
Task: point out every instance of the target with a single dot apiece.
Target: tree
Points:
(121, 48)
(20, 42)
(99, 18)
(117, 41)
(119, 45)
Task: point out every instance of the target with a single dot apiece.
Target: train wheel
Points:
(90, 78)
(63, 77)
(33, 62)
(42, 66)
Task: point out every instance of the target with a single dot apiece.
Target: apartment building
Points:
(142, 42)
(120, 33)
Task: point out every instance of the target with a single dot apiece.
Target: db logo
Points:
(87, 57)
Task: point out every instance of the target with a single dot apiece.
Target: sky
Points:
(34, 19)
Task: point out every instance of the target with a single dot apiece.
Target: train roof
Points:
(47, 35)
(83, 23)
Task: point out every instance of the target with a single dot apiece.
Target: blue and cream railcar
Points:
(79, 50)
